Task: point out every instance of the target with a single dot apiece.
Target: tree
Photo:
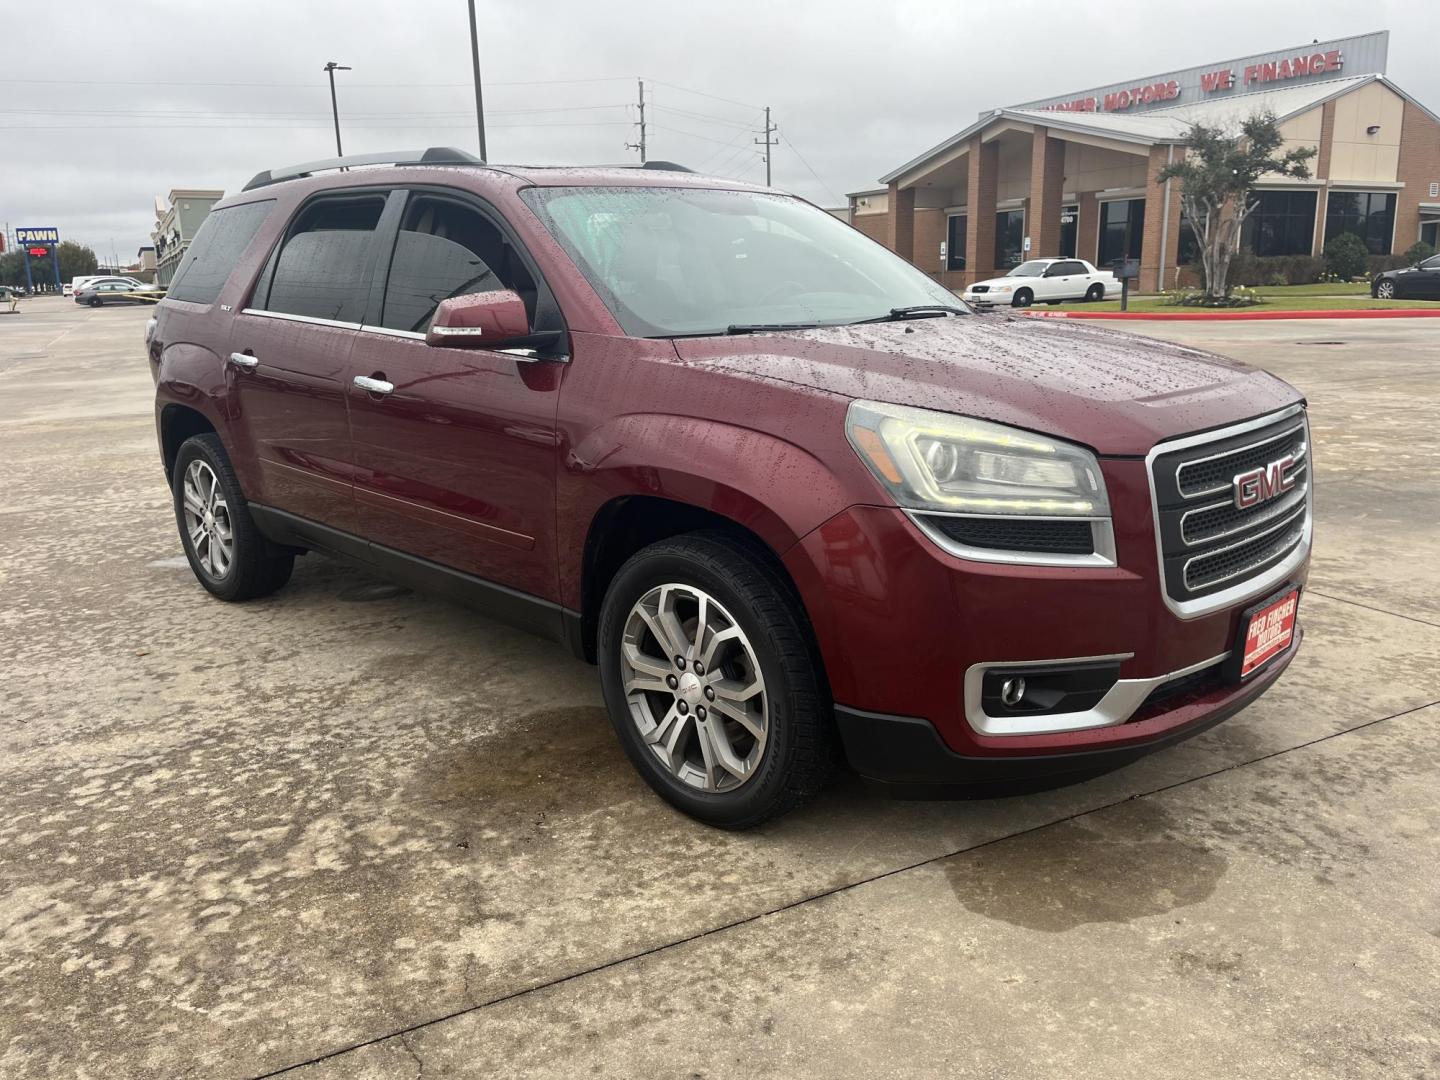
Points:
(1217, 186)
(76, 260)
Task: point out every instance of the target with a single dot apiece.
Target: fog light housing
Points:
(1043, 689)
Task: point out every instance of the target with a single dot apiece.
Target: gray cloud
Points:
(135, 102)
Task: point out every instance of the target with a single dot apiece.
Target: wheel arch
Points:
(628, 523)
(176, 423)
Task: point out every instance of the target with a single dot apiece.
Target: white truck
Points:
(1044, 281)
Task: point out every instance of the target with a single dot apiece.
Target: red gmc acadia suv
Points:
(791, 496)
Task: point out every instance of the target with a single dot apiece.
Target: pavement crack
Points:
(419, 1064)
(1372, 607)
(561, 980)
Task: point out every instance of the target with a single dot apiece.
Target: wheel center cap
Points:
(689, 689)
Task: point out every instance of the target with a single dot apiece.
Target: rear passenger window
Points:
(223, 237)
(322, 270)
(446, 249)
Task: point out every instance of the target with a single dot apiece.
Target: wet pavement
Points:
(352, 831)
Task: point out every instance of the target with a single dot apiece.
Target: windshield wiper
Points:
(765, 328)
(917, 311)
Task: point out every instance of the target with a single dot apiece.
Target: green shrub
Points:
(1418, 252)
(1346, 257)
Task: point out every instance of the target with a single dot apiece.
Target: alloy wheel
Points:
(207, 519)
(1385, 290)
(694, 688)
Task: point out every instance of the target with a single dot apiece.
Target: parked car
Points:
(790, 496)
(78, 283)
(1419, 282)
(1044, 281)
(106, 291)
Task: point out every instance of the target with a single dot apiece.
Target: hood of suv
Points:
(1114, 392)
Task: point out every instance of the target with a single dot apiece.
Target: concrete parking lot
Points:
(350, 831)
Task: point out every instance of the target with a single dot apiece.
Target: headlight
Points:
(938, 462)
(1005, 288)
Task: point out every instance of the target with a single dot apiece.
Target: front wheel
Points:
(1023, 298)
(226, 551)
(712, 681)
(1385, 290)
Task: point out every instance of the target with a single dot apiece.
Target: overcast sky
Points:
(104, 105)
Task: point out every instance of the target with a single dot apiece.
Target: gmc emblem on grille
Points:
(1260, 485)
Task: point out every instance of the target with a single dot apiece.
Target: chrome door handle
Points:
(375, 386)
(245, 360)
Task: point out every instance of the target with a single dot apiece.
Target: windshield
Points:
(696, 261)
(1030, 269)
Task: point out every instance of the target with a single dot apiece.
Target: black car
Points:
(1420, 282)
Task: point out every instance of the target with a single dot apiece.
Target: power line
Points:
(703, 116)
(289, 86)
(828, 189)
(702, 93)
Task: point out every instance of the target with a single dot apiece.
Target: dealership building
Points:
(1075, 175)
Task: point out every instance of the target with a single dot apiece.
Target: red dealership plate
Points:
(1267, 630)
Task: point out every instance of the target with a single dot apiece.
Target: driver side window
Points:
(446, 249)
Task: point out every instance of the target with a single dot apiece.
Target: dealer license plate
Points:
(1268, 633)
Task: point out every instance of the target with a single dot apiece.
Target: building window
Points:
(1430, 234)
(1122, 230)
(1370, 215)
(1283, 223)
(1069, 231)
(1009, 238)
(955, 243)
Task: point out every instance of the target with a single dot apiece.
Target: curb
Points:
(1239, 314)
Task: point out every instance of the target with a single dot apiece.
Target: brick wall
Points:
(875, 226)
(1155, 224)
(1047, 183)
(1419, 168)
(901, 237)
(983, 187)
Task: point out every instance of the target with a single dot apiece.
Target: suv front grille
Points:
(1207, 543)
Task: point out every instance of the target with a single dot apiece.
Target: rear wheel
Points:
(1023, 298)
(1094, 293)
(226, 551)
(712, 682)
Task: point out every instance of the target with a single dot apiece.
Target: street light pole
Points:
(331, 67)
(475, 63)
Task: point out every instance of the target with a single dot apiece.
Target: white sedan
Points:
(1044, 281)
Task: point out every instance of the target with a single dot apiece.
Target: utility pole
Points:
(767, 142)
(331, 67)
(641, 144)
(475, 64)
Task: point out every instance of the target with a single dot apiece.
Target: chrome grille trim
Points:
(1299, 494)
(1251, 567)
(1268, 577)
(1180, 469)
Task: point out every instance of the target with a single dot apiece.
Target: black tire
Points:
(257, 567)
(801, 750)
(1380, 287)
(1023, 298)
(1094, 294)
(94, 301)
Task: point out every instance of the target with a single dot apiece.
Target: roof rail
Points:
(434, 155)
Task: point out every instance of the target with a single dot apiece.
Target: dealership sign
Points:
(45, 235)
(1312, 62)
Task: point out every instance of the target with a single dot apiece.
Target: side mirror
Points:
(488, 320)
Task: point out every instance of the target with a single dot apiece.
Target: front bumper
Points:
(900, 622)
(906, 758)
(988, 299)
